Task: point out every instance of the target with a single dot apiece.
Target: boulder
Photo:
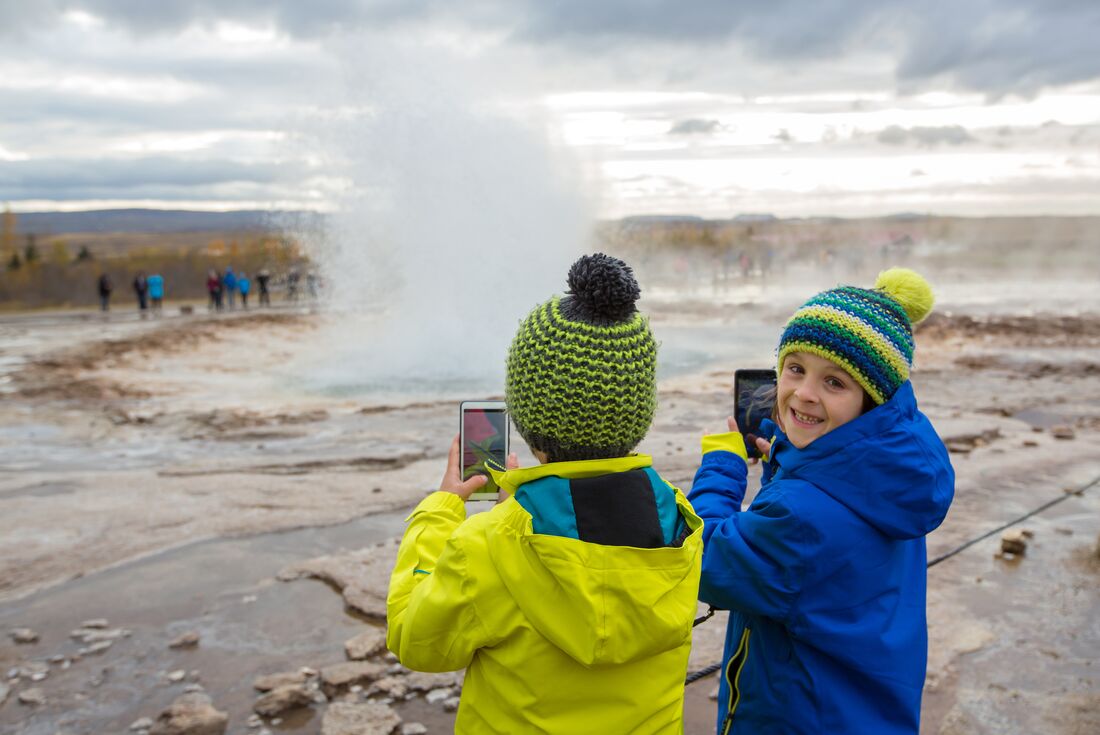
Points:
(281, 699)
(190, 714)
(366, 644)
(341, 676)
(369, 718)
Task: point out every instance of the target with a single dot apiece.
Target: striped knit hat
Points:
(869, 333)
(581, 378)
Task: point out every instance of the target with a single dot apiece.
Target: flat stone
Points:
(35, 670)
(23, 635)
(190, 714)
(97, 635)
(268, 682)
(190, 639)
(1063, 432)
(340, 676)
(281, 699)
(368, 718)
(177, 676)
(391, 686)
(142, 724)
(366, 644)
(95, 623)
(451, 704)
(34, 697)
(362, 576)
(413, 728)
(98, 647)
(438, 695)
(419, 681)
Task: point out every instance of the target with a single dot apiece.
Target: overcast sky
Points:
(716, 108)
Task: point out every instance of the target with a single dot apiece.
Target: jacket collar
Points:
(510, 480)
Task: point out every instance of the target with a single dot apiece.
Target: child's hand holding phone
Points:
(452, 477)
(763, 446)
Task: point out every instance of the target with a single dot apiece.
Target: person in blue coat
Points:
(244, 286)
(156, 292)
(824, 574)
(229, 282)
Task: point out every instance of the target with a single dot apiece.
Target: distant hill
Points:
(163, 221)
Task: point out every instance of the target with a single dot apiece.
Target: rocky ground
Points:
(150, 579)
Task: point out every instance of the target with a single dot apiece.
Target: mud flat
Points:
(151, 477)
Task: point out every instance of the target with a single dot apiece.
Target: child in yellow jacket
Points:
(570, 604)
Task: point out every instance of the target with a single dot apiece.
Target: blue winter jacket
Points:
(824, 574)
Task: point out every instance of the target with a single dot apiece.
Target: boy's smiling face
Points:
(815, 396)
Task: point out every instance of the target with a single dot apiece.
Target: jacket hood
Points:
(888, 466)
(599, 604)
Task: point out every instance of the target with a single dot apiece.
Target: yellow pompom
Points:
(909, 289)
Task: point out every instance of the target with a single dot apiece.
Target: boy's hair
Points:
(581, 380)
(868, 332)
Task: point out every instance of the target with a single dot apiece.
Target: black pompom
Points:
(602, 290)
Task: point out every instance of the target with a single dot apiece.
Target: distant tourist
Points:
(141, 290)
(104, 287)
(262, 278)
(292, 285)
(244, 285)
(156, 292)
(229, 280)
(312, 283)
(214, 288)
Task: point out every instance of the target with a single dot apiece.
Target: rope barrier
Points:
(703, 673)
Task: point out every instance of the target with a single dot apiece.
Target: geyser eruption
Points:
(457, 218)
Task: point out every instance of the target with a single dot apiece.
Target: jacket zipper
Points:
(733, 678)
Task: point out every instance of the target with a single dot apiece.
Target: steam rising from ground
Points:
(458, 217)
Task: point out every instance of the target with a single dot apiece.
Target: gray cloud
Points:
(146, 177)
(925, 136)
(694, 126)
(994, 46)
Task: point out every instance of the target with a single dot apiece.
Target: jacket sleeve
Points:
(430, 609)
(754, 561)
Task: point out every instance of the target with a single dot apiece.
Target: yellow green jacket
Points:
(570, 604)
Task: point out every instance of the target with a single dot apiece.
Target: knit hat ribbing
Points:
(868, 332)
(581, 380)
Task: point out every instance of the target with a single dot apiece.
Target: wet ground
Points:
(160, 474)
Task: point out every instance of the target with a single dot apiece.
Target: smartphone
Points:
(483, 436)
(753, 401)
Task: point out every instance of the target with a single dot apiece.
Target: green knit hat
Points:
(582, 369)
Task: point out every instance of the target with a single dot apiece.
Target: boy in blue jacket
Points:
(824, 574)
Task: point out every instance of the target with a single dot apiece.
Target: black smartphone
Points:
(483, 438)
(753, 401)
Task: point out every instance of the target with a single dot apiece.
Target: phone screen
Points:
(484, 439)
(754, 400)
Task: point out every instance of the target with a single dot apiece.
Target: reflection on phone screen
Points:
(754, 402)
(484, 434)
